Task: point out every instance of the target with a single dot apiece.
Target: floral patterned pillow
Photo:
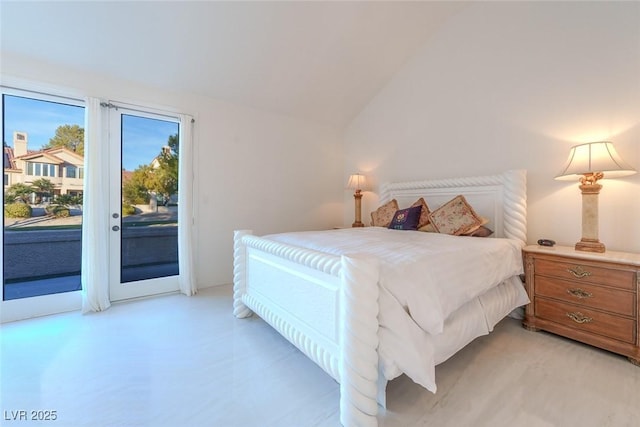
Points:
(424, 215)
(455, 217)
(429, 228)
(382, 216)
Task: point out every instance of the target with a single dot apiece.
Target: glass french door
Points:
(43, 157)
(144, 220)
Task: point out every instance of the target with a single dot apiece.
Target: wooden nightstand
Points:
(588, 297)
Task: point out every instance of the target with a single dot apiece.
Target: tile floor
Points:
(179, 361)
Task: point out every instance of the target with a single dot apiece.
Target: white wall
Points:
(514, 85)
(253, 169)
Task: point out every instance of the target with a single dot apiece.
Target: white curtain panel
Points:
(185, 207)
(95, 210)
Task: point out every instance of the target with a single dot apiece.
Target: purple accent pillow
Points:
(406, 219)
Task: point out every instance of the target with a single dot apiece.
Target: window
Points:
(74, 172)
(40, 257)
(41, 169)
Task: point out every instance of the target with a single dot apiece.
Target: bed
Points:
(335, 296)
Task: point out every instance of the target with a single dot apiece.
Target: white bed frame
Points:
(327, 305)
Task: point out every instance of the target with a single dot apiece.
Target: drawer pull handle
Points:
(579, 293)
(579, 272)
(579, 317)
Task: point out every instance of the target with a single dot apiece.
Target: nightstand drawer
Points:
(584, 272)
(588, 297)
(585, 319)
(585, 294)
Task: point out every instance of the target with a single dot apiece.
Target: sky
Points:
(142, 137)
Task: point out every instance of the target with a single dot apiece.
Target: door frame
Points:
(136, 289)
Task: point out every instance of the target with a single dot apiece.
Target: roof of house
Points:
(55, 155)
(8, 159)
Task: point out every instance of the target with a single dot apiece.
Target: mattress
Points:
(430, 275)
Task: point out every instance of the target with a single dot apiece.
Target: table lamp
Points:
(589, 163)
(357, 182)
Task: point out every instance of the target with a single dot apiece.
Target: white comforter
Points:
(430, 275)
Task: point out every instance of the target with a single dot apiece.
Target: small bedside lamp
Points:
(589, 163)
(357, 182)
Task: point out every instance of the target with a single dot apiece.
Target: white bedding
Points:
(405, 348)
(431, 275)
(429, 283)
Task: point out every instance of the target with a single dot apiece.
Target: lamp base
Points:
(590, 245)
(358, 199)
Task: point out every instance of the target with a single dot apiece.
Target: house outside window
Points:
(63, 167)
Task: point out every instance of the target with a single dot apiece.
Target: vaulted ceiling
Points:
(322, 61)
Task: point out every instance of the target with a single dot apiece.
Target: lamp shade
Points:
(356, 182)
(594, 157)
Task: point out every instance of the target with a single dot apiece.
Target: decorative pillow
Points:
(424, 215)
(406, 219)
(472, 230)
(429, 228)
(382, 216)
(481, 231)
(455, 217)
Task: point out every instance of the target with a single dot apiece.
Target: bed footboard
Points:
(325, 305)
(359, 342)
